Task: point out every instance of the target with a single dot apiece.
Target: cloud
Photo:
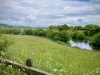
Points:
(47, 12)
(32, 18)
(79, 20)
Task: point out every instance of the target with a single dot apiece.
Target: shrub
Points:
(27, 32)
(5, 42)
(64, 36)
(51, 34)
(86, 32)
(74, 35)
(59, 36)
(78, 35)
(96, 39)
(39, 32)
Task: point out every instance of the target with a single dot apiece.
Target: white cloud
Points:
(32, 18)
(47, 12)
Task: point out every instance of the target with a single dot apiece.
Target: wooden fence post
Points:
(29, 69)
(29, 63)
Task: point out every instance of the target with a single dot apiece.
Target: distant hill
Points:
(11, 26)
(6, 26)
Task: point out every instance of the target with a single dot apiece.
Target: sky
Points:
(43, 13)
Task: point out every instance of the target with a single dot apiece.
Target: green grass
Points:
(9, 71)
(55, 58)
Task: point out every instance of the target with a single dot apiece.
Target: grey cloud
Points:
(80, 14)
(51, 16)
(79, 20)
(32, 18)
(46, 12)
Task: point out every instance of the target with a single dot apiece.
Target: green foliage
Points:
(91, 26)
(2, 30)
(4, 70)
(79, 28)
(39, 32)
(64, 36)
(92, 32)
(62, 27)
(59, 27)
(71, 27)
(52, 27)
(27, 32)
(13, 31)
(51, 34)
(5, 42)
(59, 36)
(78, 35)
(86, 32)
(58, 33)
(96, 39)
(16, 31)
(74, 34)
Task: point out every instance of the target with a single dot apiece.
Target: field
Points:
(53, 57)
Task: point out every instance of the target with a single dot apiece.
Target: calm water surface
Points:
(83, 45)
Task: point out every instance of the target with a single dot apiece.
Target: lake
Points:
(83, 44)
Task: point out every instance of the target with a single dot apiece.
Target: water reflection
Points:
(83, 44)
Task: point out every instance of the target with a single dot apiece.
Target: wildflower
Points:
(33, 53)
(97, 70)
(61, 70)
(10, 66)
(2, 53)
(18, 69)
(55, 70)
(91, 73)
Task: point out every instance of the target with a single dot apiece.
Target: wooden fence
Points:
(28, 69)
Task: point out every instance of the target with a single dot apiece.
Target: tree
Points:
(27, 32)
(62, 27)
(78, 35)
(91, 26)
(78, 28)
(39, 32)
(96, 39)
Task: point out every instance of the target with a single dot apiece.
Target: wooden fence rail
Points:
(26, 69)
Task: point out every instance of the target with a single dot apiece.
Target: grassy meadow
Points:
(53, 57)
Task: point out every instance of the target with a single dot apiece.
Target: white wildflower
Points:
(55, 70)
(61, 70)
(33, 53)
(10, 66)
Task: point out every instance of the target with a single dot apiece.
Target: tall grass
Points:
(50, 56)
(9, 71)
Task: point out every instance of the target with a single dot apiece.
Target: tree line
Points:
(61, 33)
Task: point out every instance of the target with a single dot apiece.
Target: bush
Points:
(78, 35)
(86, 32)
(39, 32)
(64, 36)
(5, 42)
(74, 35)
(59, 36)
(27, 32)
(96, 39)
(51, 34)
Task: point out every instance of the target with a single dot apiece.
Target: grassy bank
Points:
(50, 56)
